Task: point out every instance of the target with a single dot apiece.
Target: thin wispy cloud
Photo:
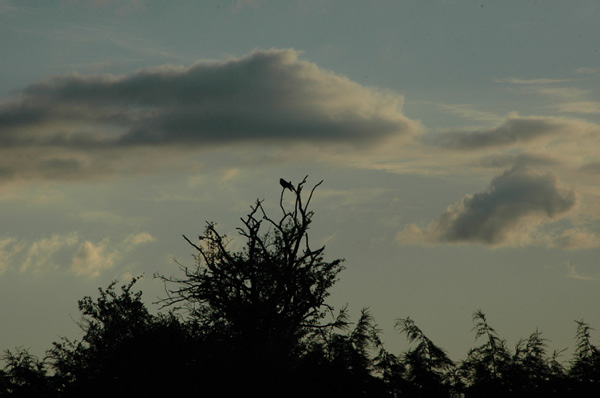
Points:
(573, 99)
(565, 93)
(505, 161)
(587, 71)
(120, 7)
(513, 130)
(533, 82)
(574, 274)
(239, 5)
(583, 107)
(556, 88)
(470, 112)
(138, 239)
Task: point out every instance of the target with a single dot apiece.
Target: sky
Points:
(458, 142)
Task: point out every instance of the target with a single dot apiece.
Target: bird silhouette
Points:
(285, 184)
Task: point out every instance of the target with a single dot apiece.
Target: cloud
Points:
(533, 82)
(241, 4)
(141, 238)
(122, 7)
(91, 259)
(9, 248)
(80, 126)
(468, 111)
(585, 107)
(59, 250)
(110, 218)
(231, 173)
(576, 100)
(573, 274)
(576, 238)
(548, 88)
(513, 130)
(41, 254)
(592, 167)
(7, 8)
(519, 160)
(587, 71)
(505, 214)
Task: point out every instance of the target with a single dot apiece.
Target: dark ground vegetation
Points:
(256, 323)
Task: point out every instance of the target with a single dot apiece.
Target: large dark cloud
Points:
(75, 126)
(517, 199)
(265, 95)
(513, 130)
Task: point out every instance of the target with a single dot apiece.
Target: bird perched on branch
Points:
(285, 184)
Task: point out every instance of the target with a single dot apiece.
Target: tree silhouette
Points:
(25, 376)
(531, 372)
(426, 365)
(585, 367)
(266, 298)
(486, 365)
(125, 350)
(346, 359)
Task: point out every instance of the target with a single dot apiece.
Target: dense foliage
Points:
(255, 322)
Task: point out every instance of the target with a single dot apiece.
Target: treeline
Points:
(254, 322)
